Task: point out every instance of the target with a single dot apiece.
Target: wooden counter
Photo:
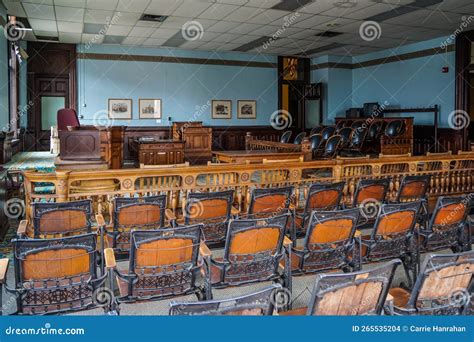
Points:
(158, 152)
(254, 156)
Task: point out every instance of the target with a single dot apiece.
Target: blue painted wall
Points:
(4, 101)
(415, 82)
(185, 89)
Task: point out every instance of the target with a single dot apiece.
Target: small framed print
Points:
(120, 109)
(247, 109)
(149, 108)
(221, 109)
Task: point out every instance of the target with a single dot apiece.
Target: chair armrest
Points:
(204, 250)
(357, 234)
(109, 258)
(287, 241)
(3, 270)
(100, 220)
(170, 216)
(22, 228)
(234, 211)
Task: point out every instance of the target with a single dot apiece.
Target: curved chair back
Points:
(213, 210)
(413, 188)
(316, 140)
(285, 137)
(61, 219)
(316, 130)
(357, 138)
(56, 275)
(371, 190)
(256, 245)
(136, 213)
(267, 201)
(260, 303)
(67, 117)
(299, 138)
(340, 124)
(375, 130)
(332, 146)
(328, 241)
(327, 132)
(441, 277)
(357, 124)
(345, 134)
(349, 294)
(163, 263)
(324, 196)
(395, 128)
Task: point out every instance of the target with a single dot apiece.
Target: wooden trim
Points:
(384, 60)
(174, 59)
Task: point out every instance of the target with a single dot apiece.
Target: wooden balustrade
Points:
(450, 174)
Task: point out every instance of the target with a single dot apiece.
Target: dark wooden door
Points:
(52, 94)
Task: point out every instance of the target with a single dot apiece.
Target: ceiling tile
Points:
(69, 14)
(102, 4)
(175, 22)
(46, 33)
(126, 18)
(42, 25)
(141, 31)
(154, 41)
(242, 14)
(218, 11)
(97, 16)
(136, 6)
(244, 28)
(191, 8)
(92, 38)
(71, 3)
(14, 8)
(162, 7)
(41, 2)
(67, 27)
(39, 11)
(133, 41)
(70, 38)
(262, 3)
(119, 30)
(164, 33)
(268, 16)
(223, 26)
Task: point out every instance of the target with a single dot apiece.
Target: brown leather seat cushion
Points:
(294, 312)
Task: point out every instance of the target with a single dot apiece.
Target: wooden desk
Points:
(158, 152)
(198, 141)
(254, 156)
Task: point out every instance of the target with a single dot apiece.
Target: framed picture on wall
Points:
(221, 109)
(120, 109)
(149, 108)
(247, 109)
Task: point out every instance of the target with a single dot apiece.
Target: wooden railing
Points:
(450, 174)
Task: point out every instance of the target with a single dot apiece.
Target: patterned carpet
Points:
(5, 245)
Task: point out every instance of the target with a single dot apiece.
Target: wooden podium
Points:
(197, 141)
(91, 147)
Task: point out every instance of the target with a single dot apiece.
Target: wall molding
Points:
(384, 60)
(174, 59)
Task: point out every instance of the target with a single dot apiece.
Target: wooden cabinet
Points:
(197, 139)
(158, 152)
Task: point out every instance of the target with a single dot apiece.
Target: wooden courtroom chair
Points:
(254, 249)
(316, 130)
(213, 210)
(447, 227)
(260, 303)
(392, 237)
(413, 188)
(370, 194)
(332, 147)
(350, 294)
(163, 263)
(316, 140)
(329, 243)
(285, 137)
(56, 276)
(299, 138)
(52, 219)
(320, 197)
(129, 213)
(269, 201)
(443, 287)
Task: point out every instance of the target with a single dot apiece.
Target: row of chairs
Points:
(327, 142)
(167, 261)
